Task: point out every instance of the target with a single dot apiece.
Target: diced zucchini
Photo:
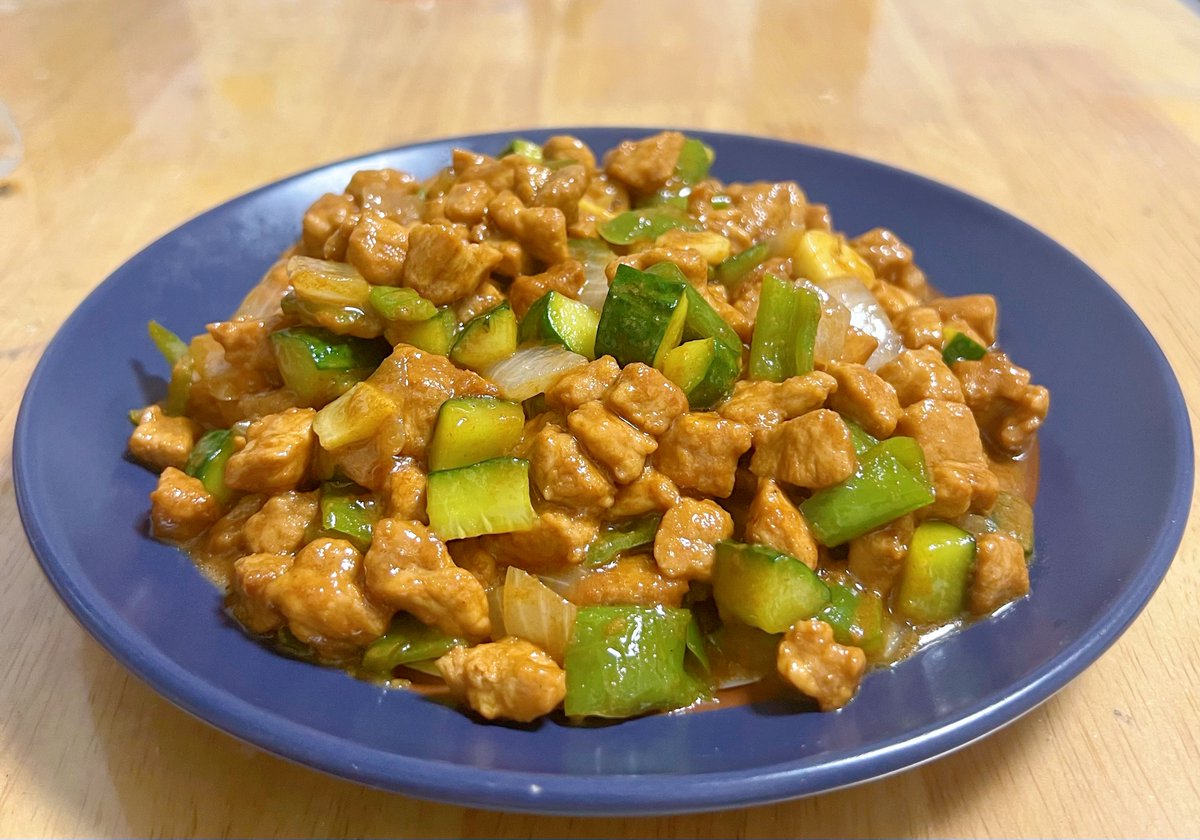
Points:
(396, 303)
(856, 617)
(474, 429)
(643, 317)
(349, 512)
(491, 497)
(625, 661)
(407, 642)
(320, 366)
(486, 339)
(703, 370)
(958, 345)
(733, 271)
(353, 417)
(765, 588)
(635, 533)
(524, 148)
(433, 335)
(555, 318)
(207, 462)
(933, 585)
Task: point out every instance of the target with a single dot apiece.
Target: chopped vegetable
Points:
(785, 331)
(524, 148)
(536, 613)
(733, 271)
(407, 642)
(168, 343)
(207, 462)
(395, 303)
(473, 429)
(353, 417)
(349, 511)
(433, 335)
(320, 366)
(867, 315)
(933, 585)
(327, 283)
(358, 321)
(595, 256)
(486, 339)
(643, 317)
(740, 654)
(695, 159)
(531, 370)
(491, 497)
(623, 537)
(859, 437)
(1013, 515)
(856, 617)
(645, 223)
(958, 345)
(765, 588)
(821, 256)
(557, 319)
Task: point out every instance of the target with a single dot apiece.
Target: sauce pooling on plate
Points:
(547, 433)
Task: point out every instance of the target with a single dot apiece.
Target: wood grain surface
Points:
(1081, 117)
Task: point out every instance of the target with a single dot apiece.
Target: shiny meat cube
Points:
(812, 451)
(758, 211)
(277, 454)
(225, 540)
(919, 326)
(858, 347)
(1000, 574)
(511, 679)
(248, 599)
(774, 521)
(885, 252)
(584, 384)
(322, 218)
(645, 165)
(630, 580)
(865, 398)
(442, 266)
(467, 202)
(562, 473)
(541, 230)
(161, 441)
(558, 538)
(384, 192)
(180, 507)
(1008, 408)
(408, 568)
(685, 545)
(646, 398)
(611, 441)
(487, 296)
(566, 147)
(650, 492)
(378, 248)
(945, 430)
(877, 558)
(247, 345)
(700, 452)
(960, 488)
(761, 405)
(404, 491)
(978, 311)
(921, 375)
(279, 526)
(819, 667)
(563, 189)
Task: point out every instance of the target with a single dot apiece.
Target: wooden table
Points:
(1081, 117)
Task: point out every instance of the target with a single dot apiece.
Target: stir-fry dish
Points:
(605, 436)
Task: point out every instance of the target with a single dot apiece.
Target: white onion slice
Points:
(531, 370)
(867, 315)
(536, 613)
(595, 282)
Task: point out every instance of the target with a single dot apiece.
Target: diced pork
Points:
(584, 384)
(277, 454)
(1000, 574)
(819, 667)
(865, 398)
(562, 473)
(685, 545)
(921, 375)
(180, 507)
(774, 521)
(646, 398)
(511, 679)
(280, 525)
(162, 441)
(701, 450)
(814, 450)
(635, 579)
(442, 266)
(611, 441)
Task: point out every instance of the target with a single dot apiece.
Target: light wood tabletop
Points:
(1082, 118)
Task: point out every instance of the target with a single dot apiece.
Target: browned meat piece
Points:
(163, 441)
(919, 326)
(471, 555)
(604, 199)
(758, 211)
(442, 266)
(384, 192)
(225, 540)
(611, 441)
(893, 299)
(511, 679)
(685, 545)
(486, 296)
(877, 558)
(405, 491)
(378, 248)
(865, 398)
(1007, 407)
(566, 278)
(959, 488)
(818, 666)
(408, 568)
(467, 202)
(774, 521)
(630, 580)
(247, 345)
(978, 311)
(701, 450)
(945, 430)
(471, 166)
(646, 398)
(338, 241)
(650, 492)
(563, 189)
(558, 538)
(180, 507)
(279, 526)
(419, 383)
(529, 177)
(541, 230)
(858, 347)
(563, 473)
(1000, 574)
(321, 595)
(566, 147)
(817, 217)
(323, 218)
(885, 252)
(277, 453)
(645, 165)
(812, 451)
(713, 247)
(762, 405)
(691, 263)
(921, 375)
(513, 259)
(585, 384)
(247, 593)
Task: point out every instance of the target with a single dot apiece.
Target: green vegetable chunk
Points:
(645, 223)
(890, 481)
(349, 511)
(555, 318)
(473, 429)
(524, 148)
(856, 617)
(486, 339)
(396, 303)
(625, 661)
(732, 272)
(959, 346)
(765, 588)
(859, 436)
(785, 332)
(695, 159)
(170, 345)
(643, 317)
(207, 462)
(433, 335)
(933, 585)
(320, 366)
(1014, 516)
(623, 537)
(340, 319)
(491, 497)
(407, 642)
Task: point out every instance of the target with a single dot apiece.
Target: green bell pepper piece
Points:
(855, 616)
(785, 331)
(635, 533)
(645, 223)
(349, 511)
(733, 270)
(207, 462)
(961, 346)
(406, 642)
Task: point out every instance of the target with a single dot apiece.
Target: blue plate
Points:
(1116, 488)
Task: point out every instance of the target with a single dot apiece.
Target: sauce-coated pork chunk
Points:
(511, 679)
(921, 375)
(865, 398)
(442, 266)
(562, 472)
(180, 507)
(774, 521)
(762, 405)
(162, 441)
(279, 526)
(1000, 574)
(812, 451)
(635, 579)
(700, 452)
(685, 545)
(611, 441)
(277, 454)
(645, 165)
(646, 398)
(819, 667)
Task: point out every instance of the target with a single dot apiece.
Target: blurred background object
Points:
(10, 143)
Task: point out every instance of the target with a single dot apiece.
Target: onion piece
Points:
(531, 370)
(535, 613)
(595, 256)
(867, 315)
(831, 329)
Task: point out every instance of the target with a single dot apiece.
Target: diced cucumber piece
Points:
(473, 429)
(396, 303)
(958, 345)
(207, 462)
(320, 366)
(620, 538)
(349, 511)
(625, 661)
(733, 271)
(486, 339)
(524, 148)
(407, 642)
(933, 585)
(433, 335)
(643, 317)
(765, 588)
(555, 318)
(855, 616)
(491, 497)
(703, 370)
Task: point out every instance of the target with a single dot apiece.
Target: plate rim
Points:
(609, 794)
